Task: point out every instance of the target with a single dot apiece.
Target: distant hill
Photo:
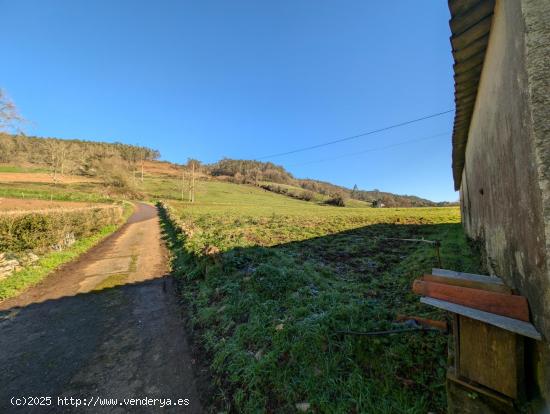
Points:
(275, 178)
(118, 164)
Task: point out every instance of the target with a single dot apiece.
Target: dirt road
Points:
(105, 326)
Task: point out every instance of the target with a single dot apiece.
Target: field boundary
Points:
(31, 275)
(54, 210)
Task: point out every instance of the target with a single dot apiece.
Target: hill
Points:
(121, 167)
(276, 178)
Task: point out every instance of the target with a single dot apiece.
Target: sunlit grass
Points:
(270, 280)
(90, 192)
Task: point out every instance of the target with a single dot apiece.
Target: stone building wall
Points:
(505, 193)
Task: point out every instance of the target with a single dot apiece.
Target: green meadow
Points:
(276, 289)
(89, 192)
(280, 291)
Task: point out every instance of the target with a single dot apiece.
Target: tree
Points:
(354, 191)
(194, 166)
(9, 116)
(57, 153)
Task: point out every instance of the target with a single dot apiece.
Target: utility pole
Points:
(142, 161)
(193, 183)
(182, 183)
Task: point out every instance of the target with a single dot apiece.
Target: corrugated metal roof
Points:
(470, 26)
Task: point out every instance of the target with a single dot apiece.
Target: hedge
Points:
(47, 229)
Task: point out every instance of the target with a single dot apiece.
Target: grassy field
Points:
(317, 197)
(26, 204)
(272, 282)
(6, 168)
(89, 192)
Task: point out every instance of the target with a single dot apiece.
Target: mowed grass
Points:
(272, 282)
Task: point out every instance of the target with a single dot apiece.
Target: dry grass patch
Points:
(12, 177)
(18, 204)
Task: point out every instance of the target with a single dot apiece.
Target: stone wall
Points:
(505, 196)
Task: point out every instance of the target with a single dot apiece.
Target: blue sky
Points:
(244, 79)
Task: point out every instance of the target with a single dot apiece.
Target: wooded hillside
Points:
(114, 163)
(117, 164)
(256, 172)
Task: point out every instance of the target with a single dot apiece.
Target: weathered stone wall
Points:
(505, 194)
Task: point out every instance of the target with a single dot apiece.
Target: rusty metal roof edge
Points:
(469, 84)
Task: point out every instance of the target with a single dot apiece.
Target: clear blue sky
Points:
(243, 79)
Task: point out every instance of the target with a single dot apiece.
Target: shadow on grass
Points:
(266, 318)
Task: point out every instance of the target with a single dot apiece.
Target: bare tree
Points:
(63, 152)
(182, 183)
(194, 166)
(55, 152)
(9, 116)
(142, 151)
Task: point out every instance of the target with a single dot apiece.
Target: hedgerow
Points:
(47, 229)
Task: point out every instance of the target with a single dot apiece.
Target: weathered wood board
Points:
(464, 282)
(491, 357)
(511, 306)
(509, 324)
(467, 276)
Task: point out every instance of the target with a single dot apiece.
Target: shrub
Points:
(337, 201)
(307, 195)
(42, 230)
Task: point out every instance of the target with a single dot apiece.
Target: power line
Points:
(280, 154)
(397, 144)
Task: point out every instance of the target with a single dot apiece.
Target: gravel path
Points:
(105, 326)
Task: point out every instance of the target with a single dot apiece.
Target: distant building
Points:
(501, 162)
(378, 204)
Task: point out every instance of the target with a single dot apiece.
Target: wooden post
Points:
(193, 184)
(182, 183)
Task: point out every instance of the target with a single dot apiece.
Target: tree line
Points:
(117, 163)
(263, 173)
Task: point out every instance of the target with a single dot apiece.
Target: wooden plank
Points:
(456, 340)
(465, 282)
(491, 356)
(512, 306)
(469, 276)
(478, 388)
(509, 324)
(426, 323)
